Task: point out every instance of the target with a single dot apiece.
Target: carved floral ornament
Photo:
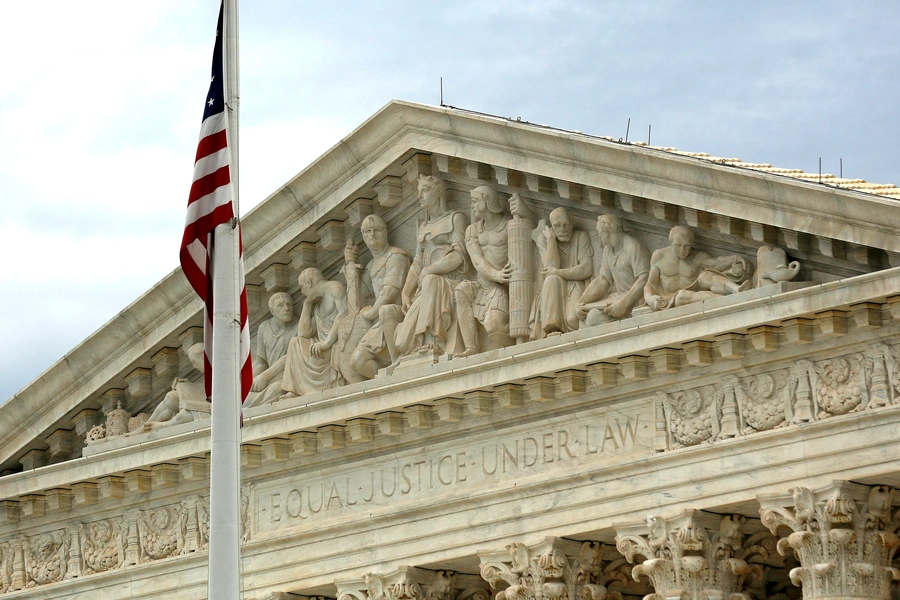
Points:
(845, 537)
(806, 391)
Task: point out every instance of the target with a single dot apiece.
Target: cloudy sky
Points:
(101, 100)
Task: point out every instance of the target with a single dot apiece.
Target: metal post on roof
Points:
(649, 129)
(627, 129)
(820, 169)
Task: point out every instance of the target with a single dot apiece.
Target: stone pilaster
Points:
(693, 556)
(554, 569)
(842, 535)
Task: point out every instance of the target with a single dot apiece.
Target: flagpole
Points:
(225, 468)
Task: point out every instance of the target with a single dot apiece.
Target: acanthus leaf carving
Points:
(552, 570)
(843, 537)
(695, 556)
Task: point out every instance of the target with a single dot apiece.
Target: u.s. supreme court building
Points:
(496, 360)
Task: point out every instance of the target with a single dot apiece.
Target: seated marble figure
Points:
(681, 275)
(624, 268)
(381, 279)
(186, 401)
(310, 365)
(439, 265)
(567, 261)
(272, 339)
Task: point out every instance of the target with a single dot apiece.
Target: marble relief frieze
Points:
(137, 536)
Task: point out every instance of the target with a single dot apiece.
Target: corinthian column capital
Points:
(694, 555)
(842, 535)
(553, 569)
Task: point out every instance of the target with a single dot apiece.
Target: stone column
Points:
(841, 534)
(692, 556)
(554, 569)
(412, 583)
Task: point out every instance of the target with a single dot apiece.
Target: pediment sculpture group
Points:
(474, 287)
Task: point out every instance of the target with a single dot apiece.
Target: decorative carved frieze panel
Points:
(83, 549)
(806, 391)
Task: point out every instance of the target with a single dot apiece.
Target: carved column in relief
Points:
(521, 281)
(554, 569)
(18, 563)
(694, 556)
(843, 537)
(192, 538)
(132, 537)
(411, 583)
(74, 559)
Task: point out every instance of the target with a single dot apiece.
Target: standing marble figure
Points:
(440, 263)
(485, 300)
(567, 261)
(624, 268)
(680, 275)
(382, 278)
(309, 364)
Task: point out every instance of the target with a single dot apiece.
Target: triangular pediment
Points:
(834, 233)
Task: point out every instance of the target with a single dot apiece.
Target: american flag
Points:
(209, 205)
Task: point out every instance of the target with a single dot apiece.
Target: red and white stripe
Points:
(210, 205)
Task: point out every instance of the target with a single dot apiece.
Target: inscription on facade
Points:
(425, 477)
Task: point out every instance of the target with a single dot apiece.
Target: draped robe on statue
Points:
(433, 308)
(558, 297)
(305, 373)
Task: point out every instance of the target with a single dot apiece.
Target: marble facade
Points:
(743, 444)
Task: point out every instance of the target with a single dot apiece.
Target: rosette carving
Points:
(842, 535)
